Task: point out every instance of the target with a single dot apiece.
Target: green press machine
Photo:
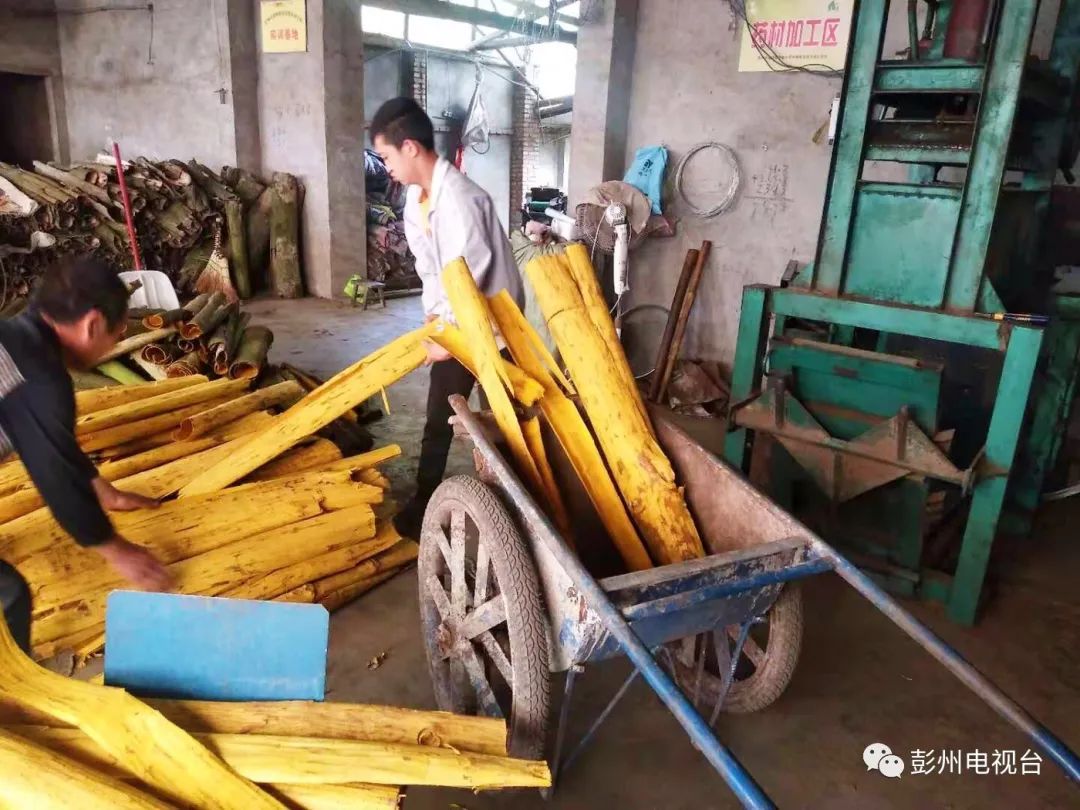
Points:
(915, 381)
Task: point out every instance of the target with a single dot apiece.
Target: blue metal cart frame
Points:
(637, 614)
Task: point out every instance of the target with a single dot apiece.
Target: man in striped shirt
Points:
(78, 313)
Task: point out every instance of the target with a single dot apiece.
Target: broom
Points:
(215, 276)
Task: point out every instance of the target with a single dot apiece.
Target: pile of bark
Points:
(67, 744)
(207, 335)
(306, 525)
(182, 213)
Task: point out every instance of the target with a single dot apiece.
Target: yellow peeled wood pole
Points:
(374, 477)
(342, 596)
(573, 434)
(217, 570)
(339, 797)
(526, 391)
(135, 342)
(244, 426)
(339, 394)
(471, 311)
(363, 461)
(283, 393)
(129, 432)
(313, 456)
(162, 403)
(34, 776)
(641, 470)
(305, 593)
(318, 566)
(98, 399)
(584, 275)
(402, 552)
(122, 468)
(25, 501)
(534, 440)
(157, 752)
(304, 718)
(273, 759)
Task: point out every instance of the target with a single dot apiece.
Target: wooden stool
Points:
(362, 290)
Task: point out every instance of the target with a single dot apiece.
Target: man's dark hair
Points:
(402, 119)
(74, 285)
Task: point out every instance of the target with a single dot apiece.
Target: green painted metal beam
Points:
(747, 368)
(867, 34)
(925, 323)
(986, 168)
(941, 76)
(918, 154)
(1006, 423)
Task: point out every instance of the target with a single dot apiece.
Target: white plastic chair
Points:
(156, 291)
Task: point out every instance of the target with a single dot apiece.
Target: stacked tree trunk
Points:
(184, 214)
(306, 524)
(67, 743)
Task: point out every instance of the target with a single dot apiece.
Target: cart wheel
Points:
(764, 668)
(484, 626)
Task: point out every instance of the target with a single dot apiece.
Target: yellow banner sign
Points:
(781, 35)
(284, 26)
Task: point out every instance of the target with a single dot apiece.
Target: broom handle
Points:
(127, 206)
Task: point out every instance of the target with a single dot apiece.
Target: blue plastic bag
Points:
(646, 173)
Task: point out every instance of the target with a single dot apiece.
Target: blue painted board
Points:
(209, 648)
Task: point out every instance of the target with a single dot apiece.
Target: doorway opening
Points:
(26, 126)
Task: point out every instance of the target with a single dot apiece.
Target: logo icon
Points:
(879, 757)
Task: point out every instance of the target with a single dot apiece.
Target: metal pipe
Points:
(978, 683)
(742, 784)
(964, 34)
(913, 28)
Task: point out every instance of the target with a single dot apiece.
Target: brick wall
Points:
(524, 150)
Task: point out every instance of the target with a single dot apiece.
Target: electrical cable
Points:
(733, 187)
(773, 60)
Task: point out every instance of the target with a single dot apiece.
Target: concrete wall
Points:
(311, 123)
(168, 95)
(29, 45)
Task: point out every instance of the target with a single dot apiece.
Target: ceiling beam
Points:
(474, 16)
(532, 14)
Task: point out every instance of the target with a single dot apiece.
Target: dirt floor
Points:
(859, 680)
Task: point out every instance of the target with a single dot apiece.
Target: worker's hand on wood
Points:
(116, 500)
(435, 353)
(135, 564)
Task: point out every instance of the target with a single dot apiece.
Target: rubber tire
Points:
(515, 575)
(768, 682)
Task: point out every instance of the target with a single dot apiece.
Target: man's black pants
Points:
(15, 601)
(448, 377)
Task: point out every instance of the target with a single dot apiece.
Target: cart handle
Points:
(738, 779)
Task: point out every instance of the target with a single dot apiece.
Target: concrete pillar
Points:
(312, 125)
(605, 59)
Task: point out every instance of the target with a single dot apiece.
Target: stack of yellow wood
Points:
(67, 744)
(623, 470)
(299, 526)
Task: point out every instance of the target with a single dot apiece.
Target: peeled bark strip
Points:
(534, 440)
(162, 403)
(584, 275)
(119, 372)
(184, 313)
(335, 600)
(285, 278)
(238, 252)
(154, 750)
(336, 797)
(342, 392)
(573, 434)
(131, 344)
(640, 468)
(251, 355)
(184, 366)
(206, 318)
(211, 419)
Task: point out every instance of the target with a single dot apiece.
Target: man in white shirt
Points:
(447, 215)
